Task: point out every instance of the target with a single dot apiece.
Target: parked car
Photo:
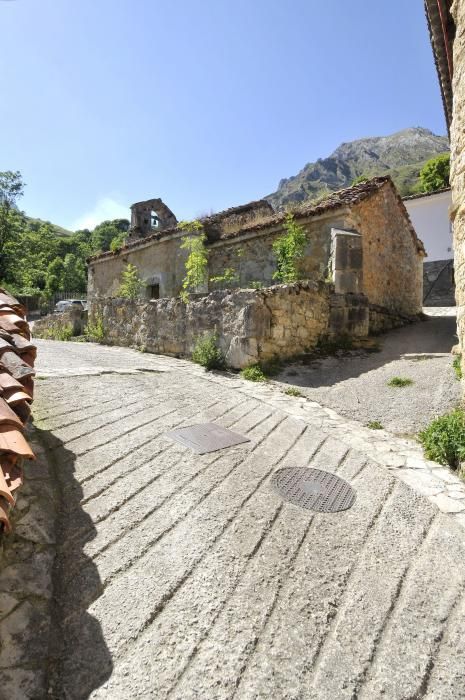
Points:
(66, 304)
(61, 306)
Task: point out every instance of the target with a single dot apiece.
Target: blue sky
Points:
(205, 103)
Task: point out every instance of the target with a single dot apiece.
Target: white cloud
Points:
(105, 208)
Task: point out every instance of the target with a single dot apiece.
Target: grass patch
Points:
(457, 365)
(207, 353)
(375, 425)
(254, 373)
(292, 391)
(95, 331)
(57, 333)
(400, 381)
(444, 439)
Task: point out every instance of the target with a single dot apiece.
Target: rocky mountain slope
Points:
(401, 155)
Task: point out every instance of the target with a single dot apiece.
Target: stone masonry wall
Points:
(253, 259)
(52, 325)
(457, 175)
(158, 262)
(252, 325)
(392, 265)
(438, 283)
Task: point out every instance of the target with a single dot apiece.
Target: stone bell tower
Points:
(149, 217)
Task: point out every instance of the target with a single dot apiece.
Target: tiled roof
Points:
(342, 198)
(420, 195)
(442, 32)
(336, 200)
(17, 356)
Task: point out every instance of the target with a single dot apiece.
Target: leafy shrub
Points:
(94, 331)
(292, 391)
(457, 365)
(118, 242)
(207, 353)
(400, 381)
(374, 425)
(229, 277)
(190, 226)
(444, 439)
(358, 180)
(197, 260)
(253, 373)
(64, 332)
(289, 250)
(131, 284)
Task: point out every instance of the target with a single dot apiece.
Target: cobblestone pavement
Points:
(186, 576)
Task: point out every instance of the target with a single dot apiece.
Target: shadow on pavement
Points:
(80, 661)
(435, 335)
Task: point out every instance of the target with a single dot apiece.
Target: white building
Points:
(430, 218)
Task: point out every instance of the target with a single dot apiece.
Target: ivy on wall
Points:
(197, 260)
(289, 250)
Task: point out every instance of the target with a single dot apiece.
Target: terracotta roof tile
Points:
(5, 491)
(7, 415)
(4, 519)
(13, 441)
(7, 300)
(8, 382)
(16, 324)
(28, 385)
(12, 471)
(17, 356)
(12, 363)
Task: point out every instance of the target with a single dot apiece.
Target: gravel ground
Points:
(356, 383)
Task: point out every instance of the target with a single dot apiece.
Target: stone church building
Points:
(360, 238)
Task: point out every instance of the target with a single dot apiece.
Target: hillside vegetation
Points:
(401, 155)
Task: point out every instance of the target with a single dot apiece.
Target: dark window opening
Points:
(154, 220)
(154, 291)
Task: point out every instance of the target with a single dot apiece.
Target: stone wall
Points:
(438, 283)
(252, 325)
(392, 263)
(383, 320)
(457, 175)
(53, 325)
(252, 257)
(158, 262)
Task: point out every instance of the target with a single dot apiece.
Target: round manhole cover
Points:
(314, 489)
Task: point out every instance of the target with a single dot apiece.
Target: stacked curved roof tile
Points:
(17, 357)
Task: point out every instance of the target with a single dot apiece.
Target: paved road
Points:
(185, 576)
(356, 384)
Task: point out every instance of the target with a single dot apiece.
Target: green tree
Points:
(289, 250)
(74, 274)
(131, 284)
(435, 174)
(104, 233)
(11, 189)
(54, 277)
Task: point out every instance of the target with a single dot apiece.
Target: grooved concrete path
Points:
(185, 576)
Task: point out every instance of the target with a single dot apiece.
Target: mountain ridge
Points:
(400, 155)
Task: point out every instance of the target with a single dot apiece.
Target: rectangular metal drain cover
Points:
(206, 437)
